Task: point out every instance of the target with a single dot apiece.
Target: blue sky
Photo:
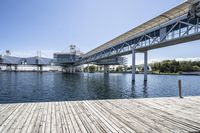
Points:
(27, 26)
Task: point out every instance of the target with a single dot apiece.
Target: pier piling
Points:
(180, 88)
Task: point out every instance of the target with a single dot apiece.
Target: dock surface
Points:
(126, 115)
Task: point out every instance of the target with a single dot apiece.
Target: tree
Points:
(196, 68)
(173, 66)
(119, 69)
(92, 69)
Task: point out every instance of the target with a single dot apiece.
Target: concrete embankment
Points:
(27, 68)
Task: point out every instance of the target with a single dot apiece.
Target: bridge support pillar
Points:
(125, 68)
(145, 65)
(133, 64)
(15, 68)
(39, 68)
(88, 68)
(70, 69)
(8, 67)
(106, 69)
(74, 69)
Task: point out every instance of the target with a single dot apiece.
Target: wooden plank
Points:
(7, 112)
(93, 121)
(124, 115)
(34, 118)
(134, 123)
(77, 119)
(53, 118)
(12, 118)
(3, 107)
(173, 115)
(48, 119)
(105, 119)
(44, 119)
(64, 125)
(38, 122)
(21, 119)
(123, 124)
(28, 119)
(70, 127)
(145, 117)
(72, 118)
(170, 117)
(58, 118)
(90, 125)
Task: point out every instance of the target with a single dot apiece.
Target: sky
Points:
(28, 26)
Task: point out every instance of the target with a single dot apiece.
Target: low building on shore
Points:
(12, 63)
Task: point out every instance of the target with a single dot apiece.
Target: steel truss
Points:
(164, 35)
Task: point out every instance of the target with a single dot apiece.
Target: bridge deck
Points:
(140, 115)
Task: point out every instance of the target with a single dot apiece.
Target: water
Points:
(39, 87)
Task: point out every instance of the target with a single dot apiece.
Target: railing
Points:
(176, 29)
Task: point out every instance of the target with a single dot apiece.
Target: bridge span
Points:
(179, 25)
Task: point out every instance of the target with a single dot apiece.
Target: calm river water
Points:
(37, 87)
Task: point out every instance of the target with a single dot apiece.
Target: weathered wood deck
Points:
(139, 115)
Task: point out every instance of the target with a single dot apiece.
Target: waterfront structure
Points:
(69, 59)
(178, 25)
(36, 63)
(163, 115)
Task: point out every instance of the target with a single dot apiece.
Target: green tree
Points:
(173, 66)
(92, 69)
(119, 69)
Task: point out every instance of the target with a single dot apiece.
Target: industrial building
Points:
(62, 61)
(36, 63)
(68, 59)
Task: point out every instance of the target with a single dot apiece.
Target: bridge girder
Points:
(176, 31)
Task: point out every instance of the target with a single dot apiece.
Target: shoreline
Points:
(172, 74)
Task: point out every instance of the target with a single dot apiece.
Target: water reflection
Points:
(37, 87)
(145, 91)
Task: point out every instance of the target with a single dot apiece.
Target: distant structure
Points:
(36, 63)
(72, 48)
(68, 59)
(8, 53)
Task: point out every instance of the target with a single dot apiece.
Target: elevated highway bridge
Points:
(179, 25)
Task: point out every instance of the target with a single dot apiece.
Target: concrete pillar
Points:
(70, 69)
(8, 68)
(15, 67)
(125, 68)
(38, 68)
(74, 69)
(145, 65)
(106, 69)
(88, 70)
(133, 64)
(41, 69)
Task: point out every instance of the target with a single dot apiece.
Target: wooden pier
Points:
(127, 116)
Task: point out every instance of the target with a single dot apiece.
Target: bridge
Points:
(178, 25)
